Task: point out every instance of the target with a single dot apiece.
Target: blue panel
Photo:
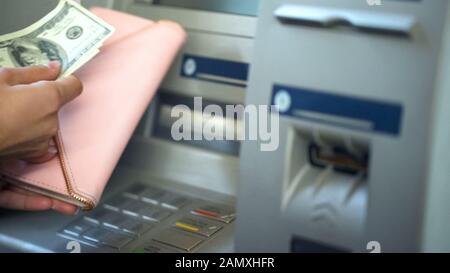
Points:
(343, 111)
(215, 70)
(243, 7)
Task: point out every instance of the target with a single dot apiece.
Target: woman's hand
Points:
(30, 99)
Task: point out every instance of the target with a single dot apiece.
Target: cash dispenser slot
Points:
(325, 186)
(339, 158)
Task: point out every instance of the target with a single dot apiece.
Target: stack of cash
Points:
(69, 34)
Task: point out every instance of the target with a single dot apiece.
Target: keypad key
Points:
(198, 225)
(113, 220)
(216, 212)
(115, 240)
(155, 247)
(117, 203)
(108, 238)
(133, 207)
(77, 228)
(177, 239)
(174, 201)
(154, 214)
(135, 191)
(153, 195)
(94, 235)
(134, 227)
(98, 215)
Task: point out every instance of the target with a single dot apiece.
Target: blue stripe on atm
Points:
(385, 117)
(217, 67)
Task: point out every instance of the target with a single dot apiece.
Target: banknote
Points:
(69, 34)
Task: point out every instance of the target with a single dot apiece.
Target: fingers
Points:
(49, 95)
(42, 156)
(32, 152)
(54, 94)
(14, 200)
(20, 190)
(41, 159)
(64, 208)
(32, 74)
(20, 199)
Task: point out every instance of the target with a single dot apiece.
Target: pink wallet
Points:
(119, 84)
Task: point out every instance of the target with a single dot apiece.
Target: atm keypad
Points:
(154, 219)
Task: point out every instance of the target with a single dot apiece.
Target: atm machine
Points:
(363, 93)
(165, 196)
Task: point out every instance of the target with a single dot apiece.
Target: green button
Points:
(138, 250)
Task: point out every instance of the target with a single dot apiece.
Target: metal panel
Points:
(351, 62)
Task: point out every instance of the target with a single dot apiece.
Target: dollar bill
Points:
(69, 34)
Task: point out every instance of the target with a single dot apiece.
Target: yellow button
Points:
(187, 227)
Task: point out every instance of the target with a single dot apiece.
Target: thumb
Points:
(68, 89)
(32, 74)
